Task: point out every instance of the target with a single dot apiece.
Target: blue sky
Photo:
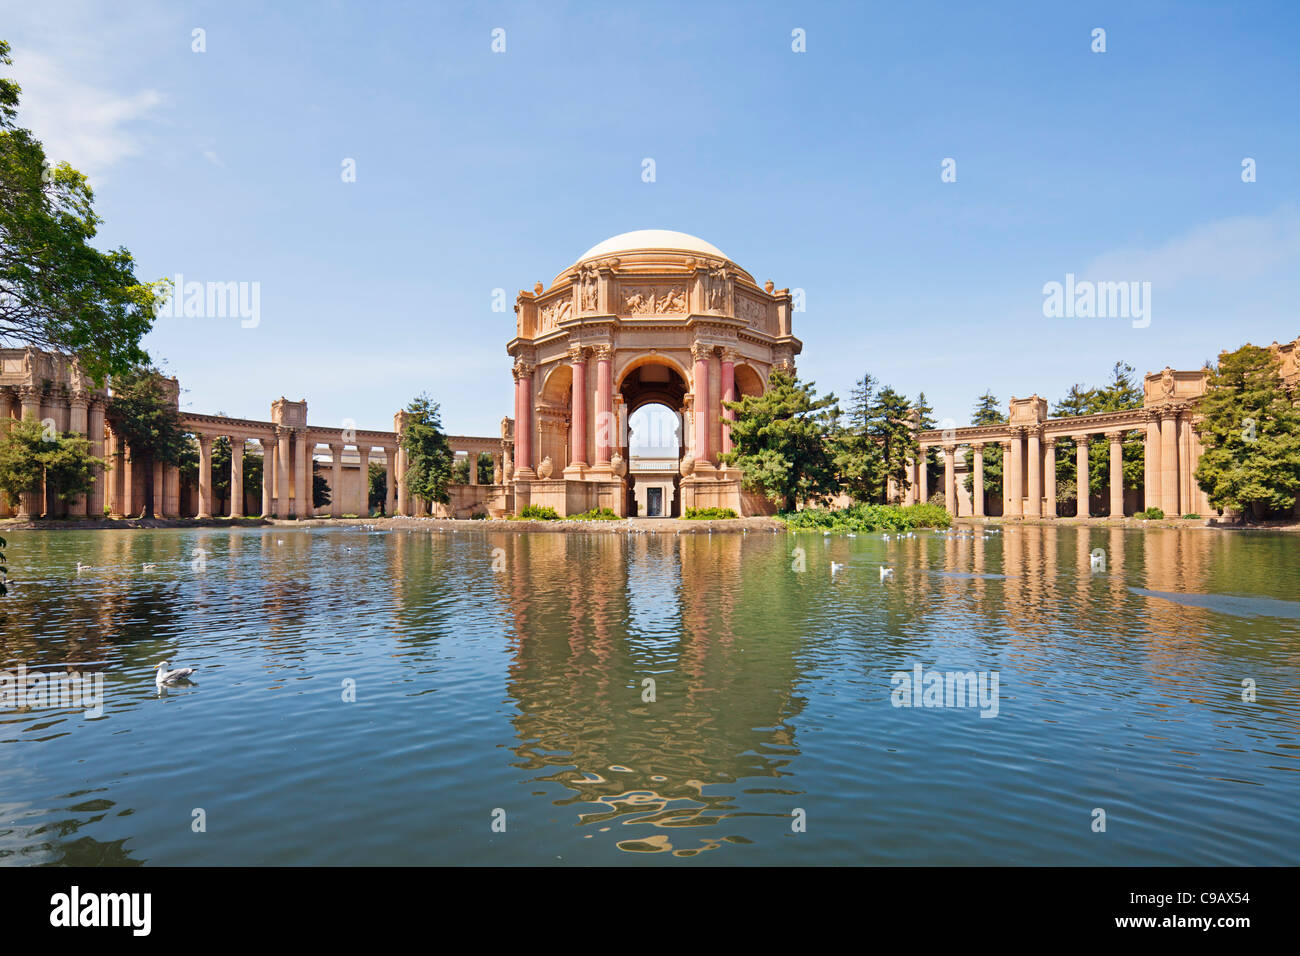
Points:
(819, 170)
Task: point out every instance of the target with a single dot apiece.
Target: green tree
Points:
(988, 411)
(890, 429)
(857, 458)
(143, 413)
(57, 291)
(1250, 427)
(320, 487)
(429, 457)
(32, 458)
(780, 441)
(378, 497)
(1121, 393)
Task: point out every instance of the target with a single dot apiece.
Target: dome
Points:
(653, 239)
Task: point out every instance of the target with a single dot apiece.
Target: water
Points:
(517, 694)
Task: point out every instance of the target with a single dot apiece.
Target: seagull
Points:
(148, 567)
(886, 573)
(164, 676)
(836, 567)
(83, 567)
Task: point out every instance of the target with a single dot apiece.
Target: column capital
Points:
(1083, 440)
(977, 445)
(577, 354)
(1049, 441)
(1115, 435)
(948, 449)
(701, 351)
(602, 353)
(730, 355)
(522, 369)
(203, 439)
(337, 447)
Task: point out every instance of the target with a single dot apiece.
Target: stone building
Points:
(645, 317)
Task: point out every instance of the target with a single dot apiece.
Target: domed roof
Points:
(653, 239)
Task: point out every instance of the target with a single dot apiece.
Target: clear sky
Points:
(820, 170)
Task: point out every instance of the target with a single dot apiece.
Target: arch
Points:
(749, 381)
(557, 388)
(651, 358)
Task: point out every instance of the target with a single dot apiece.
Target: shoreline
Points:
(757, 524)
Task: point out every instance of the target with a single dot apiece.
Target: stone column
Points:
(1049, 476)
(128, 482)
(949, 483)
(923, 474)
(113, 484)
(1081, 459)
(1034, 504)
(79, 422)
(363, 509)
(403, 502)
(523, 372)
(205, 476)
(236, 477)
(305, 457)
(1151, 462)
(977, 481)
(268, 474)
(700, 353)
(606, 426)
(95, 507)
(336, 480)
(172, 491)
(1014, 475)
(578, 404)
(29, 504)
(282, 473)
(1116, 474)
(1169, 462)
(728, 395)
(390, 471)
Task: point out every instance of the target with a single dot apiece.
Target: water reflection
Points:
(657, 696)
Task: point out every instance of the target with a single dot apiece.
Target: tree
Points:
(57, 291)
(1250, 427)
(144, 415)
(32, 458)
(1121, 393)
(378, 478)
(320, 488)
(890, 429)
(429, 457)
(780, 441)
(988, 411)
(857, 458)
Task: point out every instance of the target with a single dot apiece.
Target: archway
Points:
(652, 440)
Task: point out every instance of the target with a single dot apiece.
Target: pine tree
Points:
(429, 457)
(1251, 431)
(988, 411)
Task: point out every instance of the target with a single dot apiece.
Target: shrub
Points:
(597, 514)
(1193, 517)
(478, 516)
(537, 513)
(1151, 514)
(708, 514)
(862, 518)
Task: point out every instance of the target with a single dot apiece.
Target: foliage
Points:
(866, 518)
(1193, 516)
(429, 457)
(597, 514)
(708, 514)
(537, 513)
(57, 291)
(1122, 393)
(460, 469)
(987, 411)
(1151, 514)
(320, 489)
(780, 442)
(875, 444)
(378, 494)
(1251, 432)
(143, 414)
(31, 458)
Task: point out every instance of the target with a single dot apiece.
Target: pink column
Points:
(701, 405)
(524, 419)
(605, 428)
(728, 395)
(578, 434)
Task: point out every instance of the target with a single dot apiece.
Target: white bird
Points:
(836, 567)
(83, 567)
(164, 676)
(148, 567)
(886, 573)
